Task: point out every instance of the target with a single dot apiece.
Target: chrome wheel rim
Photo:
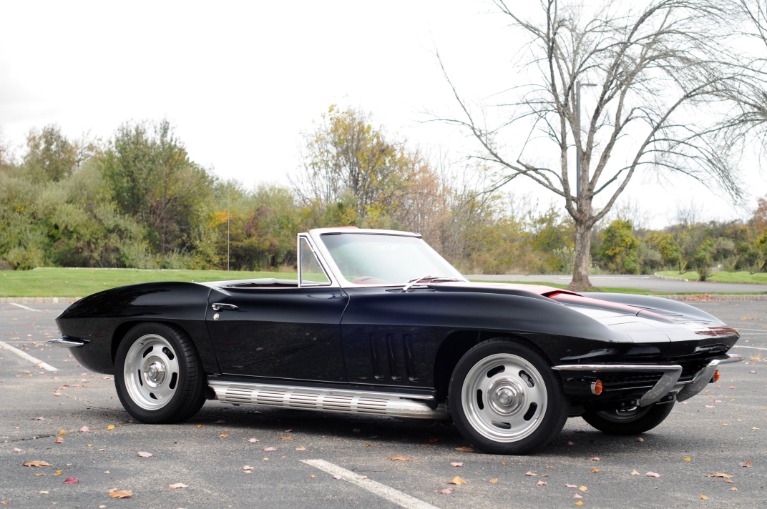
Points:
(151, 372)
(504, 397)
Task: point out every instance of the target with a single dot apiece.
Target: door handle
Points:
(219, 306)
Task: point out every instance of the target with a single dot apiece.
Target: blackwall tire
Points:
(158, 375)
(504, 398)
(633, 422)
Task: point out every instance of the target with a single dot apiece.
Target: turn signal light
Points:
(596, 387)
(716, 376)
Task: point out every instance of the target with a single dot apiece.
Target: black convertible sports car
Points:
(378, 323)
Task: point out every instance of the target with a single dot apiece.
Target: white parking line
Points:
(383, 491)
(26, 356)
(750, 347)
(22, 306)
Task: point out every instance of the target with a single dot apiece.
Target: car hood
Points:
(642, 319)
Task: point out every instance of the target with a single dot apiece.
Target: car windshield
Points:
(380, 259)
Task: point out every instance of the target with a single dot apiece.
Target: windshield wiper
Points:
(430, 279)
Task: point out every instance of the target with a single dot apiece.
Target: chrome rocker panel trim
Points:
(327, 400)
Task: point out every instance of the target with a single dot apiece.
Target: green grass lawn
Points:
(720, 277)
(61, 282)
(65, 282)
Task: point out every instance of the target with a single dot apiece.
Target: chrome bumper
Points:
(67, 342)
(668, 383)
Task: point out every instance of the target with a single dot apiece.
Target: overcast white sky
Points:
(241, 81)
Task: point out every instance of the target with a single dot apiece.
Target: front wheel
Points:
(158, 375)
(505, 399)
(628, 422)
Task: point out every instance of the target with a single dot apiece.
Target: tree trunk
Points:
(580, 280)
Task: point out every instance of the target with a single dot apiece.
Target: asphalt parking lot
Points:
(709, 453)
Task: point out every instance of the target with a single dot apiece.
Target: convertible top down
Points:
(379, 323)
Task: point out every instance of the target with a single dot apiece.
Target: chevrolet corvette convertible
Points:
(378, 323)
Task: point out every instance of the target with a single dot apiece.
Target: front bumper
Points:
(642, 384)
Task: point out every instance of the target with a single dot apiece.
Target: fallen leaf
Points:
(457, 481)
(747, 464)
(270, 449)
(338, 477)
(84, 429)
(300, 448)
(111, 427)
(177, 485)
(400, 458)
(287, 437)
(16, 450)
(58, 473)
(596, 458)
(253, 440)
(703, 497)
(464, 449)
(640, 440)
(571, 485)
(720, 475)
(113, 493)
(59, 440)
(224, 435)
(688, 459)
(248, 468)
(143, 454)
(583, 488)
(494, 480)
(634, 472)
(71, 480)
(577, 496)
(456, 464)
(530, 474)
(595, 470)
(36, 463)
(62, 432)
(446, 491)
(541, 483)
(652, 474)
(579, 503)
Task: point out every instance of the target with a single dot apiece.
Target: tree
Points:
(51, 156)
(154, 181)
(651, 66)
(354, 175)
(619, 250)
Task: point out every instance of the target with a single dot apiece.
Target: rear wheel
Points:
(158, 375)
(504, 398)
(628, 422)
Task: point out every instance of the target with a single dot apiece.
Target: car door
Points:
(278, 332)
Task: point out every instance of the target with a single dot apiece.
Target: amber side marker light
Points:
(716, 376)
(596, 387)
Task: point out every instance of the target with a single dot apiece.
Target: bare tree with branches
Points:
(658, 70)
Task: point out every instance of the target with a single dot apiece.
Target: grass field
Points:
(720, 277)
(62, 282)
(59, 282)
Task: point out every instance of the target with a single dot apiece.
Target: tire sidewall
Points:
(552, 420)
(176, 408)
